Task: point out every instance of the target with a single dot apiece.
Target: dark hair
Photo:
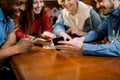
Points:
(27, 18)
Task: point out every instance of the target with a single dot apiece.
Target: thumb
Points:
(82, 39)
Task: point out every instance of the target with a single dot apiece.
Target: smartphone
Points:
(55, 40)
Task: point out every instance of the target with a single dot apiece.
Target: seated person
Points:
(109, 28)
(77, 19)
(8, 44)
(34, 22)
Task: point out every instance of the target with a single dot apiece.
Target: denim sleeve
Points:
(99, 33)
(95, 19)
(91, 36)
(5, 28)
(59, 25)
(10, 25)
(112, 49)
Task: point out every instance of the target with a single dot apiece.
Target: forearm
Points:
(10, 40)
(20, 34)
(91, 36)
(101, 49)
(58, 28)
(60, 33)
(59, 25)
(7, 52)
(7, 44)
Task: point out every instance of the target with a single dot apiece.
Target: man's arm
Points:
(99, 33)
(59, 25)
(59, 28)
(112, 49)
(10, 39)
(22, 46)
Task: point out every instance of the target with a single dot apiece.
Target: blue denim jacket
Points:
(5, 27)
(94, 19)
(110, 27)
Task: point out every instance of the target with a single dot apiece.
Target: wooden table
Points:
(41, 64)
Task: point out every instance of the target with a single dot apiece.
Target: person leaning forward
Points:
(110, 28)
(8, 45)
(76, 19)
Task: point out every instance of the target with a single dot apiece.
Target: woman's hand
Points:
(75, 30)
(42, 42)
(48, 35)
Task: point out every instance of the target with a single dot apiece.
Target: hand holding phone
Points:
(55, 40)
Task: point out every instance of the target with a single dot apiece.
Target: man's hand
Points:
(23, 46)
(72, 45)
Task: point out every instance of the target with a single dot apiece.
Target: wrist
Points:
(16, 49)
(81, 47)
(60, 33)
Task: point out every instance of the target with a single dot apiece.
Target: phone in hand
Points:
(55, 40)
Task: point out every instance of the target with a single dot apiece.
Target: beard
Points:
(107, 10)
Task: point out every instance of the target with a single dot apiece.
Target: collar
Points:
(1, 15)
(116, 12)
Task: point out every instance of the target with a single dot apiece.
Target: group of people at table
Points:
(24, 22)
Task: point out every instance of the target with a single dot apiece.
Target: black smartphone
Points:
(55, 40)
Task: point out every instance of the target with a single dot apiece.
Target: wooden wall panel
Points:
(90, 2)
(53, 3)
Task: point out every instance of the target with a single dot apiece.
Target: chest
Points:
(114, 29)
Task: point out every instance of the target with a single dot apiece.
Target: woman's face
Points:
(37, 6)
(69, 5)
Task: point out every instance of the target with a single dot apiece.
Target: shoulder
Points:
(45, 11)
(1, 15)
(93, 12)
